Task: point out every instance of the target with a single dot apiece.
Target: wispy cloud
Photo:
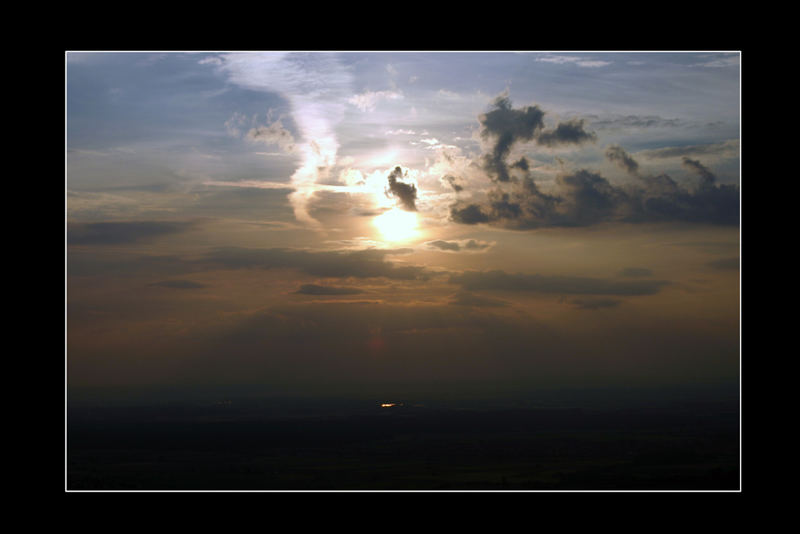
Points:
(570, 285)
(573, 60)
(463, 245)
(123, 232)
(721, 61)
(318, 290)
(369, 100)
(316, 86)
(273, 134)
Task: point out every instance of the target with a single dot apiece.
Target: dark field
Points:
(671, 443)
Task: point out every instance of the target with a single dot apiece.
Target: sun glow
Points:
(396, 225)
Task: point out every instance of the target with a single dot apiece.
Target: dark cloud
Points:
(450, 179)
(314, 289)
(570, 132)
(726, 264)
(465, 298)
(444, 245)
(634, 121)
(406, 193)
(119, 233)
(476, 245)
(635, 272)
(707, 177)
(660, 198)
(179, 284)
(368, 263)
(588, 198)
(595, 303)
(471, 245)
(584, 197)
(521, 163)
(618, 155)
(506, 126)
(570, 285)
(83, 262)
(664, 199)
(469, 214)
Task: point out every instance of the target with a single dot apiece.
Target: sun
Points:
(396, 225)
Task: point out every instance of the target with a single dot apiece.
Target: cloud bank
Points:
(581, 197)
(120, 233)
(367, 263)
(569, 285)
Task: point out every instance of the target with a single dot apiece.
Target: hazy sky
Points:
(361, 222)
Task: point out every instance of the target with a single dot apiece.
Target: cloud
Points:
(507, 126)
(469, 214)
(583, 197)
(234, 124)
(595, 303)
(179, 284)
(273, 134)
(720, 61)
(573, 60)
(369, 263)
(465, 298)
(660, 198)
(367, 101)
(588, 198)
(444, 245)
(635, 272)
(316, 86)
(708, 178)
(726, 264)
(405, 193)
(570, 132)
(314, 289)
(617, 154)
(120, 233)
(452, 181)
(728, 148)
(633, 121)
(572, 285)
(465, 245)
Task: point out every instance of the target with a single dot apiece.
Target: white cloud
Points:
(369, 100)
(316, 86)
(579, 61)
(210, 61)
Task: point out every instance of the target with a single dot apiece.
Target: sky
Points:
(372, 222)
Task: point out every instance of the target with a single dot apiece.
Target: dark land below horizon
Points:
(678, 439)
